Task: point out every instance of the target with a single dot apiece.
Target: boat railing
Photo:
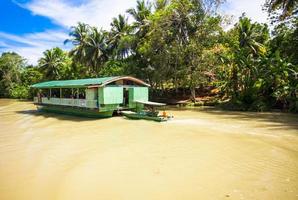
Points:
(84, 103)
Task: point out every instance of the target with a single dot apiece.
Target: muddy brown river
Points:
(200, 154)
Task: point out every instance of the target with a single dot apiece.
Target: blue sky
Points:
(29, 27)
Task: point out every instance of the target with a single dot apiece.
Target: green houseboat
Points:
(95, 97)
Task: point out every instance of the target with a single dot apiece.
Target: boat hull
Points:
(82, 112)
(146, 117)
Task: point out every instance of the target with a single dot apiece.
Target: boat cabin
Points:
(105, 94)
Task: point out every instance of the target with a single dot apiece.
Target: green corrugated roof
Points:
(73, 83)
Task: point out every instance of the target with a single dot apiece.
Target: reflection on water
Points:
(201, 154)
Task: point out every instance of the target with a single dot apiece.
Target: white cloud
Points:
(31, 46)
(252, 8)
(64, 13)
(100, 12)
(94, 12)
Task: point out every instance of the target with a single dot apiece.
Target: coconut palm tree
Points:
(141, 12)
(52, 62)
(119, 37)
(79, 35)
(90, 47)
(97, 51)
(140, 15)
(248, 35)
(251, 48)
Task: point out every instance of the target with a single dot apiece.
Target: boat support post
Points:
(60, 95)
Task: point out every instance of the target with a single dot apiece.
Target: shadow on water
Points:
(278, 120)
(57, 116)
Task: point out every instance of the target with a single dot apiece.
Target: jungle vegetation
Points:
(181, 47)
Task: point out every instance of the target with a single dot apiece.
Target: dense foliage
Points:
(282, 9)
(179, 47)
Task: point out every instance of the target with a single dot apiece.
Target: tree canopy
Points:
(181, 48)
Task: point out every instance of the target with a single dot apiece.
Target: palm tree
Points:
(79, 35)
(142, 11)
(120, 36)
(140, 15)
(251, 38)
(52, 62)
(248, 35)
(288, 7)
(90, 47)
(97, 51)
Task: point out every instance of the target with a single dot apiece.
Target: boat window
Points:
(55, 93)
(67, 93)
(82, 93)
(45, 93)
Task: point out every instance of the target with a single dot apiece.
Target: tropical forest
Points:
(187, 50)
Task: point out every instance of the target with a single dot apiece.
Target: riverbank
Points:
(225, 104)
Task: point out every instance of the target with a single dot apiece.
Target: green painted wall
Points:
(137, 93)
(91, 94)
(110, 95)
(108, 107)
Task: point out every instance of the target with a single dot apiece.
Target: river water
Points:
(200, 154)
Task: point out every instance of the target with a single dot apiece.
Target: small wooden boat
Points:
(149, 112)
(139, 115)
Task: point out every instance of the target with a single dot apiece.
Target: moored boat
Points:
(149, 111)
(95, 97)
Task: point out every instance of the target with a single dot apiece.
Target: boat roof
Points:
(90, 82)
(151, 103)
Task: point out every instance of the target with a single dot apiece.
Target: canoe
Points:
(134, 115)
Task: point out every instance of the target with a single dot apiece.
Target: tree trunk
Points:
(193, 94)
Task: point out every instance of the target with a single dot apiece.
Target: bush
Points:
(19, 92)
(259, 106)
(112, 68)
(293, 106)
(234, 104)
